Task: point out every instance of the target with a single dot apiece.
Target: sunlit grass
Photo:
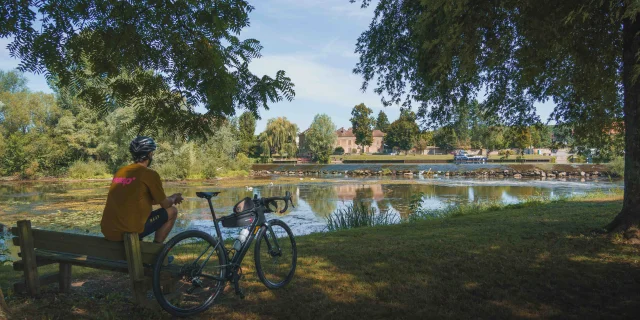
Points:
(534, 260)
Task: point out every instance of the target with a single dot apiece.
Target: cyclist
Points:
(134, 189)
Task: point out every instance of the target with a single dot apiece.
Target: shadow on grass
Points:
(535, 262)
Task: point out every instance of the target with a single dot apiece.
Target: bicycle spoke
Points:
(194, 262)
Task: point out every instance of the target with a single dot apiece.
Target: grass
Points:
(537, 260)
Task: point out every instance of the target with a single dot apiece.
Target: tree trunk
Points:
(630, 215)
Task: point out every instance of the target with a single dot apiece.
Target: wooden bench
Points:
(41, 247)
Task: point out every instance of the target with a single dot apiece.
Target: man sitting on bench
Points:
(134, 189)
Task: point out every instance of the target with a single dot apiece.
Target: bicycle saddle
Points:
(207, 195)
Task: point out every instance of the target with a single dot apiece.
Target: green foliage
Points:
(321, 137)
(247, 129)
(382, 122)
(357, 215)
(521, 51)
(337, 151)
(423, 140)
(616, 166)
(15, 161)
(362, 125)
(446, 139)
(403, 133)
(43, 135)
(88, 170)
(126, 55)
(279, 138)
(12, 81)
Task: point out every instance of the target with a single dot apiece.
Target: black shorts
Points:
(156, 219)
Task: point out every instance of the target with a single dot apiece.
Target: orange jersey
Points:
(134, 189)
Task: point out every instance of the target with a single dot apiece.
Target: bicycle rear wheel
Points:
(275, 255)
(189, 273)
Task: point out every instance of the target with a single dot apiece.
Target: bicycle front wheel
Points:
(275, 254)
(189, 273)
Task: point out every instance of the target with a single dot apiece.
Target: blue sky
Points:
(313, 41)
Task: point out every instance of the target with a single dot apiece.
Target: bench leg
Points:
(28, 254)
(136, 270)
(168, 283)
(64, 279)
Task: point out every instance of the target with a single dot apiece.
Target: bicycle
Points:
(203, 278)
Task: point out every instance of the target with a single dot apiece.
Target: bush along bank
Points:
(507, 173)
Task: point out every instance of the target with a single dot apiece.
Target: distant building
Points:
(347, 140)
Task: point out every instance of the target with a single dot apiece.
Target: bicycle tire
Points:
(159, 268)
(259, 260)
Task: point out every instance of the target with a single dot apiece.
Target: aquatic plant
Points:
(357, 215)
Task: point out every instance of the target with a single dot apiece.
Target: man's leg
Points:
(163, 232)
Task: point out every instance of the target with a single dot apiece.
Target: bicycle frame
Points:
(256, 225)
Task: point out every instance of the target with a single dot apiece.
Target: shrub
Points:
(616, 166)
(357, 215)
(577, 159)
(338, 151)
(171, 171)
(88, 170)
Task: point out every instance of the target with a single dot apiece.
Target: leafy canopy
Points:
(403, 133)
(163, 56)
(362, 124)
(382, 122)
(279, 138)
(438, 53)
(321, 137)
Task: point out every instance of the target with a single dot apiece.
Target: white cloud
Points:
(318, 82)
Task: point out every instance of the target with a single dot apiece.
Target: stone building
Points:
(347, 140)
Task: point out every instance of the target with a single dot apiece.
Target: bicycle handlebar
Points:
(286, 199)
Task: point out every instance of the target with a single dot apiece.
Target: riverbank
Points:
(539, 261)
(542, 171)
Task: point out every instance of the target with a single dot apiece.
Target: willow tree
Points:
(176, 55)
(582, 55)
(279, 138)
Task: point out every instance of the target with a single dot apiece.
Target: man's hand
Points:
(177, 198)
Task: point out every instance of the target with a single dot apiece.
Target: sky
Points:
(313, 41)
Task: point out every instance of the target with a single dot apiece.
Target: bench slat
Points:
(90, 245)
(83, 260)
(40, 261)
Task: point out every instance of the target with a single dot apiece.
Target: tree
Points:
(402, 133)
(446, 139)
(279, 138)
(247, 128)
(321, 137)
(382, 122)
(362, 125)
(12, 81)
(167, 57)
(423, 140)
(583, 55)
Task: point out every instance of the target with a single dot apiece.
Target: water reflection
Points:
(78, 207)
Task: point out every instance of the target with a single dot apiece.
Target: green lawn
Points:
(539, 261)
